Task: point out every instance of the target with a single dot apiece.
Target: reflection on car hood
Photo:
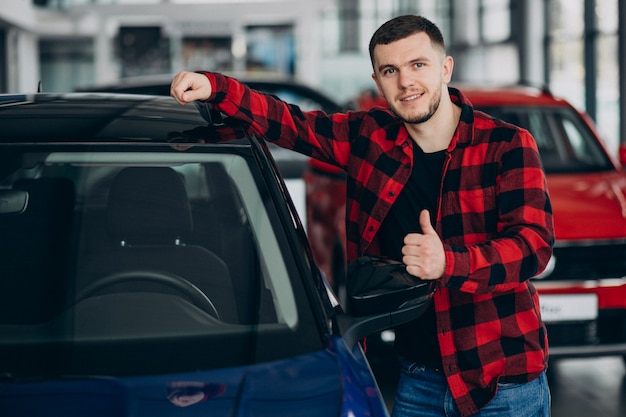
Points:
(310, 385)
(589, 206)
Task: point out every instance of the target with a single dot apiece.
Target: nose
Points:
(405, 79)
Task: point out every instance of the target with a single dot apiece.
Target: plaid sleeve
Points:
(312, 133)
(506, 219)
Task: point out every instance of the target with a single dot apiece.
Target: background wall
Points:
(572, 46)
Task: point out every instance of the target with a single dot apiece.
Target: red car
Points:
(583, 291)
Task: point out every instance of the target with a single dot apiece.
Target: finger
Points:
(425, 224)
(414, 239)
(419, 272)
(177, 88)
(191, 94)
(413, 270)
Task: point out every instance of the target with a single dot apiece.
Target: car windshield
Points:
(126, 259)
(565, 144)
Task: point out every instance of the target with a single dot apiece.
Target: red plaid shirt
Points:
(494, 218)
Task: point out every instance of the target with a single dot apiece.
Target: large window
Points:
(208, 53)
(66, 63)
(271, 48)
(142, 50)
(566, 50)
(481, 42)
(607, 75)
(495, 20)
(583, 58)
(3, 61)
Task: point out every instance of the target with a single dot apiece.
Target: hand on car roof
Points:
(187, 87)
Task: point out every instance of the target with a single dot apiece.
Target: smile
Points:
(411, 97)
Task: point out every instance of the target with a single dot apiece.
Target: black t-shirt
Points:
(417, 340)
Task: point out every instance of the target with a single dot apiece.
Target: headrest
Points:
(148, 205)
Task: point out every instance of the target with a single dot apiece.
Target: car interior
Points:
(100, 250)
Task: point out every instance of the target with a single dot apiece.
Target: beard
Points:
(425, 116)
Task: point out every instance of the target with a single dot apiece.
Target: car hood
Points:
(588, 206)
(320, 384)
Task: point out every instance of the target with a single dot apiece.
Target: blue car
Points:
(153, 264)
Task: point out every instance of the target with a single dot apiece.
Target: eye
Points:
(418, 64)
(388, 71)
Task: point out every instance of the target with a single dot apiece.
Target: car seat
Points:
(149, 217)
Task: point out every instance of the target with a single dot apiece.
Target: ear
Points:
(380, 90)
(448, 65)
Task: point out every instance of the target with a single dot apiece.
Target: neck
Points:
(436, 133)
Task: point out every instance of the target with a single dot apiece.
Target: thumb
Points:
(196, 92)
(425, 224)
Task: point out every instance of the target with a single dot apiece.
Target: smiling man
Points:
(411, 74)
(455, 195)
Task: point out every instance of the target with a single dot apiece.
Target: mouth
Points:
(410, 98)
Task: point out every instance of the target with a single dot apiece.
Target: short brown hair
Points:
(403, 26)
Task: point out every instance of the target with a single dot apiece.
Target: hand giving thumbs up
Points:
(423, 253)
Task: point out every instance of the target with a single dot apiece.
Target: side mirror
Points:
(382, 295)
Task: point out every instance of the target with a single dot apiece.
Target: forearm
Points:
(311, 133)
(498, 265)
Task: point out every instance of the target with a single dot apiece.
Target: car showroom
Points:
(168, 260)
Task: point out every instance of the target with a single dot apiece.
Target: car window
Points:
(127, 251)
(565, 143)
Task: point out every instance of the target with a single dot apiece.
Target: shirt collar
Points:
(464, 133)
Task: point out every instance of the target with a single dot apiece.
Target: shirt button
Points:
(391, 193)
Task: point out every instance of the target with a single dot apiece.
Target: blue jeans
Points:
(424, 392)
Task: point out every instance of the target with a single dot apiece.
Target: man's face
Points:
(410, 73)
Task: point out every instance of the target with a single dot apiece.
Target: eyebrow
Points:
(383, 66)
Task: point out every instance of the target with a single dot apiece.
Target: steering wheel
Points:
(180, 284)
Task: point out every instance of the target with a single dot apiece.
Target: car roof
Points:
(49, 117)
(513, 95)
(159, 84)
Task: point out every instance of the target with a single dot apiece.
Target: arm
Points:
(314, 133)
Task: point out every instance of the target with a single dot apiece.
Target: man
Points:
(457, 196)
